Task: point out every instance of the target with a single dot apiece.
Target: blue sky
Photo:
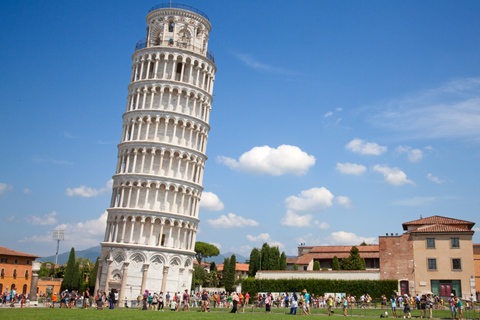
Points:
(333, 122)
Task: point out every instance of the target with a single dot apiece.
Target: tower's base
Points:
(132, 269)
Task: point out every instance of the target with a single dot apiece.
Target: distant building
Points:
(325, 254)
(434, 254)
(15, 270)
(476, 263)
(205, 265)
(241, 270)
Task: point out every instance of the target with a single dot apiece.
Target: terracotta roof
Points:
(307, 258)
(205, 264)
(438, 220)
(292, 260)
(9, 252)
(238, 267)
(338, 249)
(439, 228)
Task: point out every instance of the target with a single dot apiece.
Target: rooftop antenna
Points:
(58, 235)
(421, 217)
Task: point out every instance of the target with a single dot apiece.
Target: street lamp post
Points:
(58, 235)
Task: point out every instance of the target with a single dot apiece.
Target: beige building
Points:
(434, 254)
(476, 262)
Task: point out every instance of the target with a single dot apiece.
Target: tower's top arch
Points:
(177, 25)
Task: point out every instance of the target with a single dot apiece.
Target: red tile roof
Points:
(439, 228)
(9, 252)
(438, 220)
(238, 267)
(340, 249)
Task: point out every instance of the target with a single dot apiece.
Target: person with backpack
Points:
(154, 300)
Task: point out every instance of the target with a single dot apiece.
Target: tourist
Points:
(307, 300)
(204, 300)
(241, 299)
(406, 307)
(345, 306)
(99, 300)
(145, 300)
(268, 303)
(294, 304)
(160, 301)
(330, 305)
(154, 300)
(234, 298)
(453, 308)
(86, 299)
(185, 300)
(173, 305)
(430, 304)
(393, 303)
(423, 306)
(459, 306)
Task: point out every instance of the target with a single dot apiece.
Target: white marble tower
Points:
(153, 216)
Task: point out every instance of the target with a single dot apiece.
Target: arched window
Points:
(14, 273)
(24, 291)
(1, 287)
(26, 274)
(171, 26)
(2, 273)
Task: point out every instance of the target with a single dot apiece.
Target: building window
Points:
(431, 243)
(2, 274)
(14, 273)
(454, 242)
(456, 264)
(15, 261)
(4, 260)
(305, 268)
(432, 264)
(28, 262)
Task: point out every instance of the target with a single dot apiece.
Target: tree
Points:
(77, 276)
(354, 261)
(198, 276)
(295, 267)
(205, 250)
(254, 263)
(92, 278)
(274, 258)
(363, 243)
(233, 269)
(227, 280)
(335, 263)
(316, 265)
(213, 266)
(68, 277)
(283, 261)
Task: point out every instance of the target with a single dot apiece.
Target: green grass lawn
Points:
(133, 313)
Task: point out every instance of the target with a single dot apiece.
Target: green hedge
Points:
(375, 288)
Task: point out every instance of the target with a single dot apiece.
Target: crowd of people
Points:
(11, 297)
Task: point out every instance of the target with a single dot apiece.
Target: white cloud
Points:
(476, 229)
(243, 250)
(393, 176)
(415, 202)
(349, 238)
(449, 111)
(285, 159)
(5, 187)
(211, 202)
(253, 63)
(87, 192)
(10, 219)
(413, 155)
(312, 200)
(322, 225)
(370, 148)
(27, 191)
(80, 235)
(51, 160)
(231, 220)
(216, 244)
(338, 109)
(431, 177)
(262, 237)
(344, 201)
(328, 114)
(265, 237)
(351, 168)
(291, 219)
(47, 220)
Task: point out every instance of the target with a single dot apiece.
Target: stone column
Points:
(34, 282)
(144, 279)
(109, 274)
(164, 279)
(121, 298)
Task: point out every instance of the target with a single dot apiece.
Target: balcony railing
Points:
(178, 6)
(175, 44)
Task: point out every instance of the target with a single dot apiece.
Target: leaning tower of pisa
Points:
(153, 216)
